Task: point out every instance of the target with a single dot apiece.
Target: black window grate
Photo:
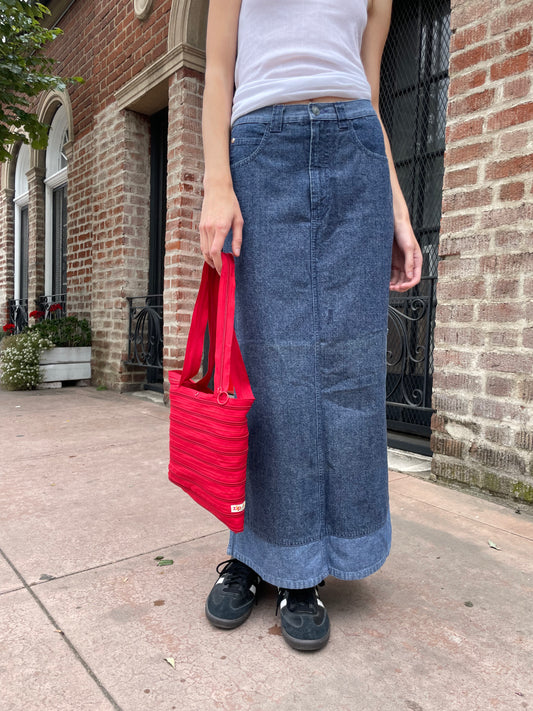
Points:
(413, 101)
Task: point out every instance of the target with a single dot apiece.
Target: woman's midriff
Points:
(319, 100)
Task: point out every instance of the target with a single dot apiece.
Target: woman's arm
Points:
(220, 209)
(406, 255)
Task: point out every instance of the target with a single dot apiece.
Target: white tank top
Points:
(298, 49)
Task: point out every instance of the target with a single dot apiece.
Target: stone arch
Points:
(187, 25)
(46, 108)
(48, 105)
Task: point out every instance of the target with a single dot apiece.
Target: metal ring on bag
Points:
(222, 397)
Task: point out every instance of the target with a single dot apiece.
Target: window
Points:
(21, 224)
(56, 206)
(59, 240)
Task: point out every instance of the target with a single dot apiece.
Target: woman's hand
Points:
(220, 210)
(406, 266)
(220, 213)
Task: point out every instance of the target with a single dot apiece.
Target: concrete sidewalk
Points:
(87, 618)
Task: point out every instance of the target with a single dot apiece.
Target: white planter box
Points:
(66, 364)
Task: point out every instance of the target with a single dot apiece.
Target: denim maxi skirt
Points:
(314, 189)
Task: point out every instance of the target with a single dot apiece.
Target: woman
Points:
(300, 185)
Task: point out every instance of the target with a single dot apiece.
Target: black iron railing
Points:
(145, 340)
(410, 350)
(52, 305)
(18, 314)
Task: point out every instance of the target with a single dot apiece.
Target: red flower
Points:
(55, 307)
(9, 327)
(37, 314)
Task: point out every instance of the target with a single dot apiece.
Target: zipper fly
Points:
(213, 434)
(207, 417)
(200, 474)
(223, 393)
(180, 393)
(239, 452)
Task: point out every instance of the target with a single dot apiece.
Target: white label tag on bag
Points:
(237, 508)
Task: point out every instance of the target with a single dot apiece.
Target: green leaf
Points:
(165, 562)
(25, 72)
(159, 557)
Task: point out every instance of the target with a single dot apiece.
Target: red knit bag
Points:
(209, 429)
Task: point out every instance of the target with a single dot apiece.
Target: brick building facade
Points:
(483, 387)
(132, 171)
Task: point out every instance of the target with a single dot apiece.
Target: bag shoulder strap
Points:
(215, 307)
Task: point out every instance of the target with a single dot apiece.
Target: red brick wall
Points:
(7, 252)
(119, 254)
(108, 193)
(36, 219)
(483, 338)
(108, 178)
(183, 260)
(107, 45)
(81, 209)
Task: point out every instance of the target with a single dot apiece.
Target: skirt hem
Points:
(324, 556)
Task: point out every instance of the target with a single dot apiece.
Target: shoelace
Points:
(303, 600)
(236, 574)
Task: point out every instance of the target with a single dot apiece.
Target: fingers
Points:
(217, 259)
(408, 266)
(212, 237)
(394, 279)
(220, 213)
(216, 248)
(406, 269)
(237, 235)
(205, 245)
(219, 239)
(401, 283)
(406, 262)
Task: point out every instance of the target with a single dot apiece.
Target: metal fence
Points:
(145, 340)
(414, 90)
(46, 307)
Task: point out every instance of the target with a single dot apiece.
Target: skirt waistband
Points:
(278, 114)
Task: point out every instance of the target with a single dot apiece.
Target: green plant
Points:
(19, 360)
(64, 332)
(25, 72)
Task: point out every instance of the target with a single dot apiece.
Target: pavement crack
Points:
(121, 560)
(11, 590)
(64, 636)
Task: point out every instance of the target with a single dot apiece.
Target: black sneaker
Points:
(230, 602)
(304, 619)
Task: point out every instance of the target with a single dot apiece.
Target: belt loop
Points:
(276, 123)
(341, 115)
